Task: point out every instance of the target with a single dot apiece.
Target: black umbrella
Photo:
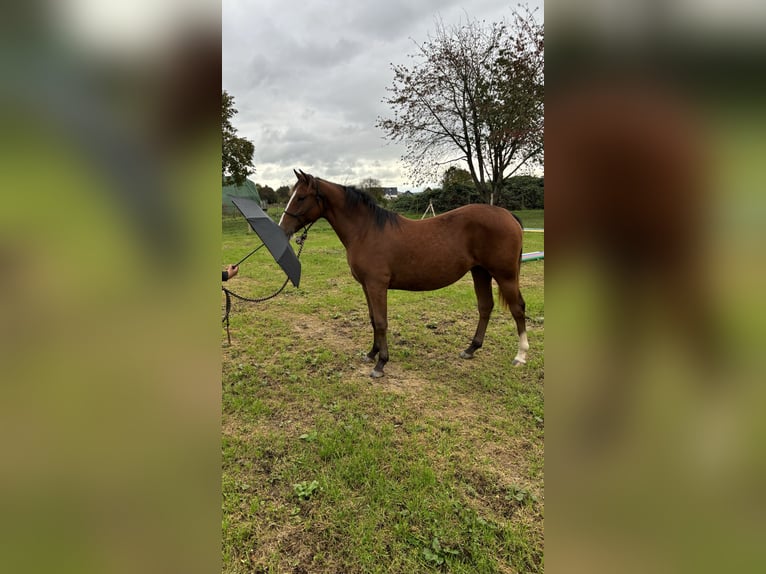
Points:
(272, 236)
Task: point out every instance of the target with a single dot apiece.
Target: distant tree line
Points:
(282, 194)
(518, 192)
(271, 196)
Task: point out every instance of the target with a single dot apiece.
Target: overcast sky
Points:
(308, 78)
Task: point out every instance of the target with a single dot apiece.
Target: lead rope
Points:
(229, 294)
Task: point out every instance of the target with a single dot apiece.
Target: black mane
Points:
(380, 215)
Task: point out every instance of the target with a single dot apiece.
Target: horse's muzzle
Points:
(288, 234)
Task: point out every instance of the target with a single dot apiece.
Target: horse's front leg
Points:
(372, 355)
(377, 300)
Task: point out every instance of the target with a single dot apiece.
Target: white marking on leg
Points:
(521, 356)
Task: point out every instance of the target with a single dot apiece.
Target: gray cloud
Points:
(309, 78)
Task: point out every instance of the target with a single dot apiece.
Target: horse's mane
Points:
(380, 215)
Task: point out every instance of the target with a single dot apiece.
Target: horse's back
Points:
(482, 222)
(476, 212)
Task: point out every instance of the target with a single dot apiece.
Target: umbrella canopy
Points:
(272, 236)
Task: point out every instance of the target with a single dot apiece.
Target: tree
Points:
(372, 186)
(474, 96)
(456, 177)
(236, 152)
(267, 193)
(523, 192)
(283, 193)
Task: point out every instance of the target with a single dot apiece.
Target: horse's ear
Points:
(300, 175)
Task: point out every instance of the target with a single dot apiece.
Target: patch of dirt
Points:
(333, 334)
(401, 382)
(343, 335)
(291, 543)
(230, 426)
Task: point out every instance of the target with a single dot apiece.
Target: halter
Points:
(320, 202)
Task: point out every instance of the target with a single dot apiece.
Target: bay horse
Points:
(387, 251)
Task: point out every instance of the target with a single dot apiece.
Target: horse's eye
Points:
(301, 199)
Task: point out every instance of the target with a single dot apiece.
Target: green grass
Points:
(437, 466)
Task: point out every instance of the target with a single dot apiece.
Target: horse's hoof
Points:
(466, 355)
(517, 362)
(376, 374)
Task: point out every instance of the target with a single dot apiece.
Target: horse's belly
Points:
(421, 280)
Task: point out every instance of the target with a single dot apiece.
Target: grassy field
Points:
(438, 466)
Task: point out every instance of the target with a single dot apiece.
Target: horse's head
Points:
(306, 204)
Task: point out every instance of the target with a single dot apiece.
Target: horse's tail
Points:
(503, 300)
(521, 224)
(507, 304)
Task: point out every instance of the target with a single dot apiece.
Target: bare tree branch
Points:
(475, 89)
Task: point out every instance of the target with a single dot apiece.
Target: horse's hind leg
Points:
(511, 297)
(482, 285)
(372, 355)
